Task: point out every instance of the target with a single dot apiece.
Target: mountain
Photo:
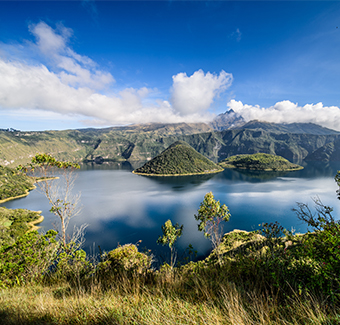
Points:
(177, 160)
(328, 152)
(259, 161)
(295, 128)
(294, 142)
(227, 120)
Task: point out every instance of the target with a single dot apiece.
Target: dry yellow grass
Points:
(126, 304)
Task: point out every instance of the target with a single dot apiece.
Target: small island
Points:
(179, 159)
(259, 161)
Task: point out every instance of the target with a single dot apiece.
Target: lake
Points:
(120, 207)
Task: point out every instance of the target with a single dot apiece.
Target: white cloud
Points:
(35, 87)
(196, 93)
(72, 84)
(288, 112)
(75, 70)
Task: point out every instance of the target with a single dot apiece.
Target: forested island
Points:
(259, 161)
(178, 159)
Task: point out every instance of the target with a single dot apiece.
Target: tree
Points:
(210, 215)
(59, 194)
(170, 234)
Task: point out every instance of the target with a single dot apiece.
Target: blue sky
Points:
(74, 64)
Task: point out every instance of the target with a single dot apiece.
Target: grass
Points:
(128, 303)
(196, 293)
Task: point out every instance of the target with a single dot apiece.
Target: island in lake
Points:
(178, 159)
(259, 161)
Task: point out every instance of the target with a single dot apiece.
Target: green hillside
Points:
(178, 159)
(13, 184)
(259, 161)
(294, 142)
(15, 223)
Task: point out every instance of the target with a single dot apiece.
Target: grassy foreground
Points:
(130, 303)
(250, 286)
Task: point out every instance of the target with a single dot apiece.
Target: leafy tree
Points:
(210, 215)
(170, 234)
(59, 194)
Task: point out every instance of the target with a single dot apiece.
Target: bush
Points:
(28, 259)
(125, 259)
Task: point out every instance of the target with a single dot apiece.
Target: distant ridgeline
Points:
(227, 136)
(259, 161)
(13, 184)
(177, 160)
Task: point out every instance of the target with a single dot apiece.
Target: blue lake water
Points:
(120, 207)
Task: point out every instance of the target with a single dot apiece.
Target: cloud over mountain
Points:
(288, 112)
(196, 93)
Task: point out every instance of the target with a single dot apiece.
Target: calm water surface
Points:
(120, 207)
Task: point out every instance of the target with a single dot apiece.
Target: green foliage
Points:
(46, 160)
(13, 183)
(27, 259)
(125, 259)
(71, 265)
(14, 223)
(259, 161)
(178, 159)
(170, 234)
(211, 216)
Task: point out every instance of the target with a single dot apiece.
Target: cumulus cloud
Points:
(196, 93)
(288, 112)
(75, 69)
(72, 84)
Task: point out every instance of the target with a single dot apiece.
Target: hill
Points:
(179, 159)
(259, 161)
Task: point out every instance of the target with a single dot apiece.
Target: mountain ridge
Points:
(143, 142)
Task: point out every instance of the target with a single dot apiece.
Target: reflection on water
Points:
(121, 207)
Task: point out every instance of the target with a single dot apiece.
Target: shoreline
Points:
(168, 175)
(33, 224)
(264, 170)
(27, 191)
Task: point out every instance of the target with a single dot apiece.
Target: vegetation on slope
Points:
(13, 184)
(259, 161)
(141, 142)
(178, 159)
(15, 223)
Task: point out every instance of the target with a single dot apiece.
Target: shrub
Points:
(125, 259)
(28, 259)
